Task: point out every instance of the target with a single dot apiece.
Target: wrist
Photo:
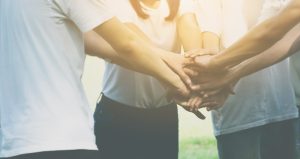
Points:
(236, 73)
(217, 62)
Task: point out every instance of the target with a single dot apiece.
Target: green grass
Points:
(196, 137)
(198, 148)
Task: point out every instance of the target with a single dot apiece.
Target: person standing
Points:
(44, 111)
(252, 123)
(134, 118)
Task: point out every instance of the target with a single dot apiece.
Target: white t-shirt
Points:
(222, 17)
(261, 98)
(208, 16)
(136, 89)
(42, 100)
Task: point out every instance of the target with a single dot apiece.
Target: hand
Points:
(184, 102)
(177, 88)
(200, 52)
(194, 102)
(204, 62)
(193, 58)
(175, 62)
(219, 99)
(216, 82)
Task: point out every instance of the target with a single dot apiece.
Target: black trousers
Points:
(124, 132)
(74, 154)
(271, 141)
(298, 135)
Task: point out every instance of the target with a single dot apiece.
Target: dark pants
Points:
(124, 132)
(298, 135)
(271, 141)
(75, 154)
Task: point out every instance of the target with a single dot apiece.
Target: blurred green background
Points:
(196, 136)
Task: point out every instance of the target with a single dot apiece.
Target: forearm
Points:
(189, 32)
(135, 51)
(288, 45)
(95, 45)
(211, 41)
(261, 37)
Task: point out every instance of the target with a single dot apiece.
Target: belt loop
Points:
(99, 98)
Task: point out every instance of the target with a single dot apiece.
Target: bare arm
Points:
(138, 53)
(189, 32)
(211, 41)
(95, 45)
(260, 37)
(285, 47)
(192, 38)
(282, 49)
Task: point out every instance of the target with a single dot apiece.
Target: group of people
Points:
(159, 54)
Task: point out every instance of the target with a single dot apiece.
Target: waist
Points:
(110, 104)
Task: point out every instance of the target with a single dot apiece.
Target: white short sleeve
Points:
(210, 15)
(187, 6)
(86, 14)
(122, 9)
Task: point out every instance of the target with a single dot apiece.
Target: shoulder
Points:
(187, 6)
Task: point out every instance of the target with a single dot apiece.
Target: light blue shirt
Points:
(261, 98)
(295, 73)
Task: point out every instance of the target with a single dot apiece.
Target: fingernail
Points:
(195, 87)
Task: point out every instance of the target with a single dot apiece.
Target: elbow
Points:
(128, 47)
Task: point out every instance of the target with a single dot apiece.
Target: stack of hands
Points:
(207, 85)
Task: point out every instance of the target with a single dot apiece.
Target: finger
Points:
(194, 103)
(191, 103)
(198, 102)
(191, 53)
(186, 79)
(190, 72)
(209, 86)
(189, 62)
(212, 93)
(200, 52)
(197, 87)
(208, 104)
(183, 76)
(183, 90)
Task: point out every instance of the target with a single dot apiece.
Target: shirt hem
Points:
(30, 150)
(255, 124)
(92, 25)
